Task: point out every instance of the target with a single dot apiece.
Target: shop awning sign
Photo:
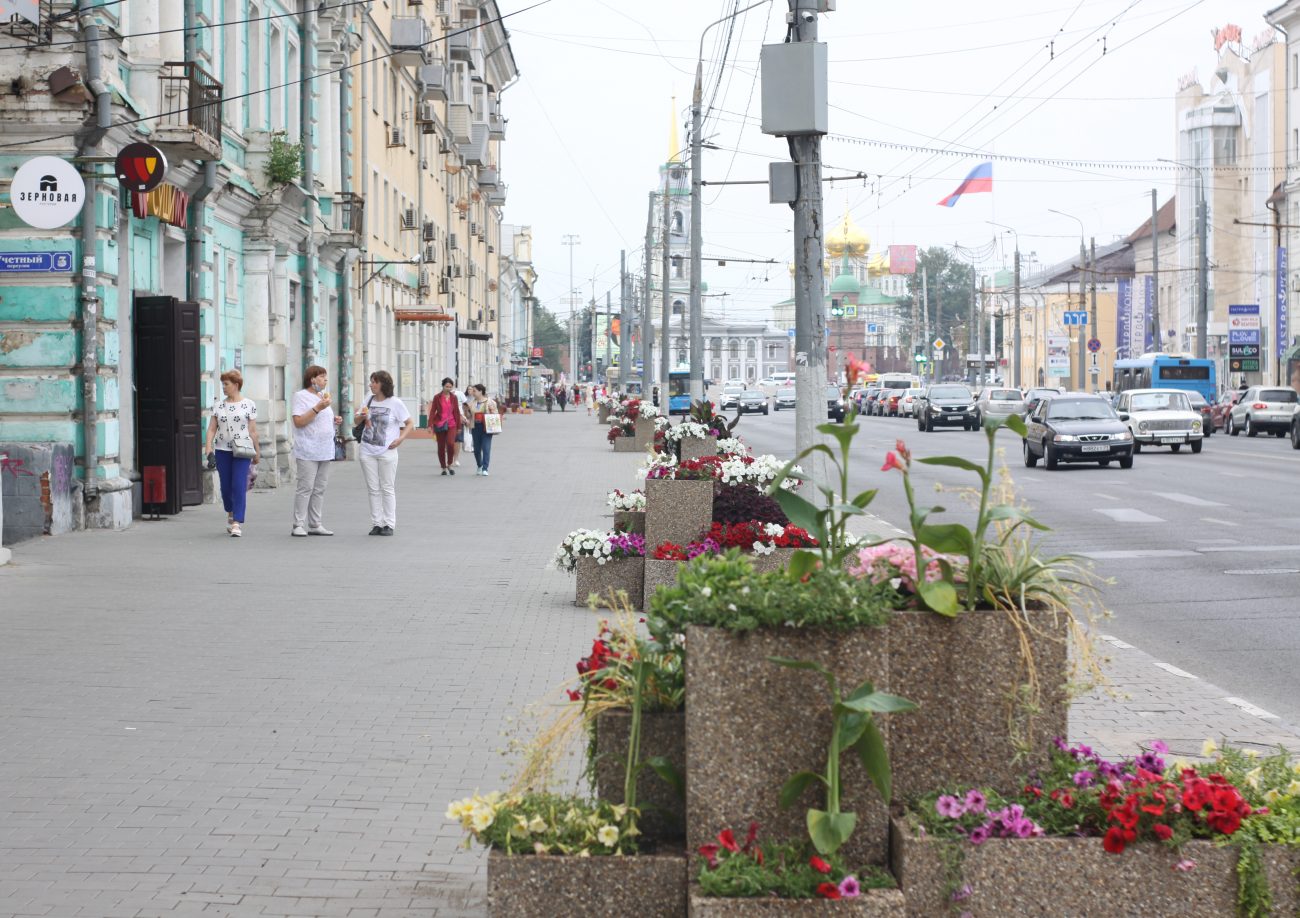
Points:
(47, 192)
(140, 166)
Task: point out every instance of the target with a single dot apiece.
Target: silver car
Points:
(1267, 408)
(730, 396)
(907, 401)
(784, 398)
(998, 404)
(1161, 417)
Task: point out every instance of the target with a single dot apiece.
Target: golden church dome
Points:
(847, 239)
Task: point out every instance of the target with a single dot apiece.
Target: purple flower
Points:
(1159, 746)
(1084, 778)
(962, 894)
(975, 802)
(1109, 770)
(1023, 828)
(949, 807)
(1149, 761)
(1060, 743)
(849, 888)
(980, 834)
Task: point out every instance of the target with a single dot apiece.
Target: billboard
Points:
(902, 259)
(1058, 356)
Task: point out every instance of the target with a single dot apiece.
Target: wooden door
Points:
(168, 431)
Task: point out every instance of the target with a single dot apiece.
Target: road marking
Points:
(1251, 709)
(1187, 499)
(1135, 553)
(1213, 519)
(1232, 475)
(1108, 496)
(1265, 570)
(1210, 548)
(1181, 673)
(1116, 642)
(1130, 515)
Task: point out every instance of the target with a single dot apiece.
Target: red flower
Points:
(818, 864)
(710, 854)
(728, 840)
(1162, 832)
(828, 891)
(1067, 801)
(758, 856)
(891, 462)
(1033, 791)
(1114, 841)
(751, 835)
(574, 695)
(903, 451)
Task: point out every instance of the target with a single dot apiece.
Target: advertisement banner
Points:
(1124, 319)
(1058, 356)
(902, 259)
(1148, 310)
(1283, 323)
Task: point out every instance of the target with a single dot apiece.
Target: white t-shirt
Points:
(233, 419)
(315, 440)
(385, 423)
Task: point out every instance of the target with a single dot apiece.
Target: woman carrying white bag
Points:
(485, 418)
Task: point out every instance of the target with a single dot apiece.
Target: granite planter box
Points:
(602, 415)
(658, 574)
(627, 445)
(776, 561)
(697, 447)
(645, 432)
(962, 673)
(533, 886)
(663, 733)
(751, 724)
(630, 521)
(873, 903)
(676, 511)
(620, 575)
(1010, 878)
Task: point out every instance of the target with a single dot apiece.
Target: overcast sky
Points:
(1083, 80)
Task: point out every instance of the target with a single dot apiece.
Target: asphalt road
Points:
(1203, 550)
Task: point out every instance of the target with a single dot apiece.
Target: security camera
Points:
(807, 15)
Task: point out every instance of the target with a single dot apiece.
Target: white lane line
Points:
(1107, 496)
(1222, 548)
(1251, 709)
(1217, 521)
(1136, 553)
(1181, 673)
(1116, 642)
(1129, 515)
(1189, 499)
(1232, 475)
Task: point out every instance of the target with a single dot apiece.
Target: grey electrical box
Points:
(782, 183)
(794, 88)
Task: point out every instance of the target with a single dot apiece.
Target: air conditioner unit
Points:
(429, 232)
(492, 315)
(491, 248)
(408, 218)
(444, 285)
(430, 254)
(424, 278)
(455, 270)
(426, 113)
(473, 269)
(451, 242)
(397, 137)
(444, 7)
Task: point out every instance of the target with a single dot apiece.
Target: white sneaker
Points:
(298, 531)
(319, 530)
(485, 473)
(235, 531)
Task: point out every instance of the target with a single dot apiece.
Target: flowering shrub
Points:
(648, 411)
(686, 430)
(620, 427)
(758, 471)
(602, 545)
(606, 678)
(785, 870)
(760, 538)
(671, 551)
(895, 562)
(632, 409)
(703, 469)
(741, 505)
(732, 446)
(546, 824)
(617, 500)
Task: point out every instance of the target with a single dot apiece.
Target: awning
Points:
(476, 335)
(422, 315)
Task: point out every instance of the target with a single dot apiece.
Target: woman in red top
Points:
(444, 421)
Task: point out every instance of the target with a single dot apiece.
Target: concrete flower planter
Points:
(963, 674)
(751, 724)
(533, 886)
(1076, 877)
(658, 574)
(627, 445)
(645, 432)
(630, 521)
(873, 903)
(663, 733)
(697, 447)
(602, 415)
(676, 511)
(624, 575)
(775, 561)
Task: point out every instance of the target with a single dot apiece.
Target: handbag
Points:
(359, 428)
(491, 423)
(340, 450)
(241, 447)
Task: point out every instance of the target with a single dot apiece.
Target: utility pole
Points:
(1092, 241)
(1017, 328)
(972, 333)
(647, 329)
(979, 336)
(665, 306)
(1202, 272)
(697, 214)
(1156, 341)
(624, 323)
(571, 240)
(925, 325)
(1083, 305)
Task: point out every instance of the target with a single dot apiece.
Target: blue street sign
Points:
(872, 329)
(790, 332)
(1075, 317)
(1243, 336)
(35, 262)
(1243, 309)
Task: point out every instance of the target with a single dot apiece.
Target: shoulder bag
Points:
(359, 428)
(241, 447)
(492, 419)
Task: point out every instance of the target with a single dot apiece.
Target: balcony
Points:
(497, 196)
(190, 124)
(458, 42)
(475, 151)
(489, 177)
(458, 121)
(433, 82)
(410, 38)
(347, 220)
(496, 127)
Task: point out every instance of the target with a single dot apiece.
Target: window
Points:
(677, 222)
(715, 345)
(733, 372)
(677, 267)
(256, 71)
(751, 349)
(275, 78)
(292, 93)
(733, 349)
(232, 63)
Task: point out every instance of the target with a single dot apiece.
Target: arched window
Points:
(678, 307)
(715, 344)
(677, 222)
(677, 267)
(733, 349)
(751, 349)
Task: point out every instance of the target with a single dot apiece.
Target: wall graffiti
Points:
(14, 467)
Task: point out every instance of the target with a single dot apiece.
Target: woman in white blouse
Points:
(313, 450)
(233, 430)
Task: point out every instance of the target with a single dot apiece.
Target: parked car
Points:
(998, 403)
(1037, 393)
(945, 404)
(730, 395)
(869, 399)
(784, 398)
(1160, 417)
(1267, 408)
(906, 403)
(888, 402)
(834, 403)
(751, 401)
(1203, 408)
(1222, 405)
(1076, 428)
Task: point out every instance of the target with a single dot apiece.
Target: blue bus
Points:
(1166, 371)
(679, 392)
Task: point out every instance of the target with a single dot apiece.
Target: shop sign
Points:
(141, 166)
(47, 192)
(166, 202)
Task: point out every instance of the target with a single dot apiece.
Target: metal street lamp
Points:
(1203, 259)
(1016, 334)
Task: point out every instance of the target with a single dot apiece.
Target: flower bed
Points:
(697, 447)
(872, 903)
(599, 545)
(617, 500)
(663, 733)
(532, 886)
(677, 510)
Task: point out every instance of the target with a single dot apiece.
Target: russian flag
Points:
(980, 179)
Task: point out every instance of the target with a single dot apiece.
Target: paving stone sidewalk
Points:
(199, 725)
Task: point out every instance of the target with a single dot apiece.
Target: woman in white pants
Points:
(315, 422)
(387, 424)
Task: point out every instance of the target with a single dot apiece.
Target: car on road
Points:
(888, 402)
(869, 396)
(784, 398)
(1203, 408)
(730, 396)
(908, 400)
(1161, 417)
(1076, 428)
(1037, 393)
(834, 403)
(751, 401)
(945, 404)
(998, 403)
(1262, 408)
(1221, 406)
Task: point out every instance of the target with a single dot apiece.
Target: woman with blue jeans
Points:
(478, 406)
(233, 418)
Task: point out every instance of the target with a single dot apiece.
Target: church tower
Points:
(675, 183)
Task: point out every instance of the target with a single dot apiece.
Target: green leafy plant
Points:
(701, 412)
(852, 727)
(284, 164)
(538, 823)
(782, 870)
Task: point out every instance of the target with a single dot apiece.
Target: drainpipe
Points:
(369, 205)
(208, 181)
(343, 387)
(87, 144)
(309, 179)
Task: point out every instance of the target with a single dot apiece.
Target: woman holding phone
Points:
(314, 424)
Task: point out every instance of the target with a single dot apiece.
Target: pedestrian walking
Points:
(479, 407)
(562, 396)
(462, 439)
(445, 422)
(387, 423)
(550, 400)
(231, 445)
(576, 397)
(315, 424)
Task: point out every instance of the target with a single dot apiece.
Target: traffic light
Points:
(920, 358)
